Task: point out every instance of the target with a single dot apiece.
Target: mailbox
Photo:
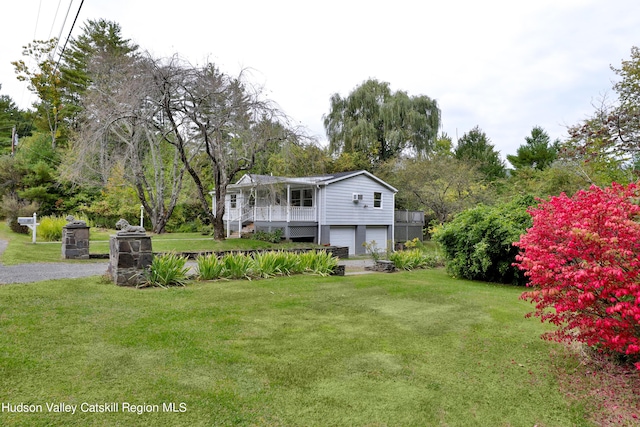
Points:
(26, 220)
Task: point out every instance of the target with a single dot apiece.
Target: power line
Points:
(64, 22)
(69, 36)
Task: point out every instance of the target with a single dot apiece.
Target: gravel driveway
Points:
(25, 273)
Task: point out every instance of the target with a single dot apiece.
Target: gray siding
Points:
(339, 209)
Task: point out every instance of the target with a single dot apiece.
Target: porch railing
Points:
(273, 213)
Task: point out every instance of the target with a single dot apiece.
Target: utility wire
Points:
(68, 37)
(64, 22)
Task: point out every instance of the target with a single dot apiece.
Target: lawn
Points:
(22, 250)
(410, 348)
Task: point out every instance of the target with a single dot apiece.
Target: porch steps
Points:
(248, 228)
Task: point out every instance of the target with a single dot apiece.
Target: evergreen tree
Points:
(476, 148)
(538, 152)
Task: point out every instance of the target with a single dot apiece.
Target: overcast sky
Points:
(504, 66)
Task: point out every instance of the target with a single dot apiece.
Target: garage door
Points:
(379, 235)
(344, 236)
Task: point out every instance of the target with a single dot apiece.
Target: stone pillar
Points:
(129, 256)
(75, 241)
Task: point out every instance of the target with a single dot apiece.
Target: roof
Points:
(251, 180)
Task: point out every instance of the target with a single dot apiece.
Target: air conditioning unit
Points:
(356, 197)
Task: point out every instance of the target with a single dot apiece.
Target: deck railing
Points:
(409, 217)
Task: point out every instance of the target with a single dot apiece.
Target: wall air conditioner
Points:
(356, 197)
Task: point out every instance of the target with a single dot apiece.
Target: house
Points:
(342, 209)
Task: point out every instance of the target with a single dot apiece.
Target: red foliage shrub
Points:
(582, 258)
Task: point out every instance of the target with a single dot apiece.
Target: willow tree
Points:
(380, 123)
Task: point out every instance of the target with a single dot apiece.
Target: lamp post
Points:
(141, 215)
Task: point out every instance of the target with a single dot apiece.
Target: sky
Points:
(504, 66)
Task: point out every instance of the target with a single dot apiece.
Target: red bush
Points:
(582, 258)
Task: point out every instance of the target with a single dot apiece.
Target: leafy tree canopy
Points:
(380, 123)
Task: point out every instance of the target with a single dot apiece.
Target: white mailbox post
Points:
(30, 222)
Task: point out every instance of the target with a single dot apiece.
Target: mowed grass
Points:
(405, 349)
(21, 250)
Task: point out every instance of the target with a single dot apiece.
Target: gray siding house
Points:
(343, 209)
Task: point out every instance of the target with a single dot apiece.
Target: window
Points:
(302, 197)
(377, 200)
(233, 201)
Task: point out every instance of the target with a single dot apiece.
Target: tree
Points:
(613, 132)
(380, 123)
(538, 152)
(224, 118)
(582, 258)
(476, 148)
(90, 57)
(12, 119)
(44, 81)
(123, 129)
(442, 185)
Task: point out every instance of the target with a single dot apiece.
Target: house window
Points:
(302, 197)
(233, 201)
(377, 200)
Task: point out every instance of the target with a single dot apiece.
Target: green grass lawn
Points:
(405, 349)
(22, 250)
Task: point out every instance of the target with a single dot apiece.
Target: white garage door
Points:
(379, 235)
(344, 236)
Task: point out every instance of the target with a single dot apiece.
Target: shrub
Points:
(50, 228)
(267, 264)
(413, 259)
(318, 262)
(478, 243)
(582, 257)
(274, 236)
(237, 266)
(167, 270)
(12, 208)
(210, 267)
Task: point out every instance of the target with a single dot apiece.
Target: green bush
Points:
(50, 228)
(478, 243)
(237, 266)
(167, 270)
(318, 262)
(268, 264)
(210, 267)
(265, 265)
(415, 258)
(274, 236)
(13, 207)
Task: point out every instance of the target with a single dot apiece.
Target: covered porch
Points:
(289, 207)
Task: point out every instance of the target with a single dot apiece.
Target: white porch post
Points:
(288, 203)
(228, 210)
(239, 203)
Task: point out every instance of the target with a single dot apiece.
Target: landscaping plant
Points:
(318, 262)
(210, 267)
(50, 228)
(414, 258)
(478, 243)
(238, 266)
(582, 259)
(168, 270)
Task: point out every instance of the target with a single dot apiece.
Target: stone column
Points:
(129, 256)
(75, 240)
